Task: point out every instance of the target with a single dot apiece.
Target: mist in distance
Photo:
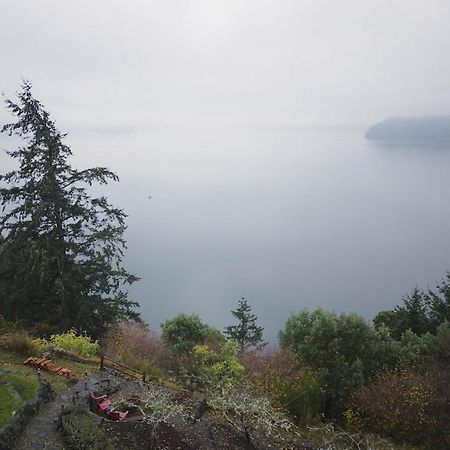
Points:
(237, 129)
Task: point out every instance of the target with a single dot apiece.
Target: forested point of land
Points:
(427, 129)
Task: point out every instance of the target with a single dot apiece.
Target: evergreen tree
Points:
(61, 249)
(414, 314)
(439, 303)
(246, 333)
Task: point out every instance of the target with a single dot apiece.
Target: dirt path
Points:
(42, 432)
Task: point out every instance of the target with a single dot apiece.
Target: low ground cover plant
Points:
(81, 432)
(243, 408)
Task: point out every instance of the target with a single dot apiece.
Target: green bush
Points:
(72, 342)
(82, 433)
(400, 403)
(344, 351)
(21, 343)
(303, 399)
(42, 345)
(219, 367)
(184, 332)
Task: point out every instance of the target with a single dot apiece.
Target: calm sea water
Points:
(286, 218)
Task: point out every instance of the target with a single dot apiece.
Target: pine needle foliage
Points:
(246, 333)
(60, 249)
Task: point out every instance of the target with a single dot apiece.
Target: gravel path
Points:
(42, 432)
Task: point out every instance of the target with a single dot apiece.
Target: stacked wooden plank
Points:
(50, 366)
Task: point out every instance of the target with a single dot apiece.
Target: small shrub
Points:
(133, 344)
(72, 342)
(264, 369)
(303, 399)
(280, 374)
(42, 345)
(219, 367)
(397, 404)
(82, 433)
(158, 406)
(244, 407)
(21, 343)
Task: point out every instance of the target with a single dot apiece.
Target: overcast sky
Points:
(112, 64)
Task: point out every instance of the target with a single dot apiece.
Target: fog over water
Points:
(286, 218)
(237, 129)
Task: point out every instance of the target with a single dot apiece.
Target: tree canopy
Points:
(184, 332)
(421, 312)
(343, 349)
(60, 249)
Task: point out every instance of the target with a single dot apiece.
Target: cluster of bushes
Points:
(395, 387)
(334, 366)
(411, 402)
(15, 339)
(196, 353)
(243, 408)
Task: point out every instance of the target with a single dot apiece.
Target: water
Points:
(286, 218)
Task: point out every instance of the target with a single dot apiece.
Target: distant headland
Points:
(423, 129)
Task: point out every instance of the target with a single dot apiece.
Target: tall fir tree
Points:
(439, 303)
(416, 312)
(60, 249)
(246, 333)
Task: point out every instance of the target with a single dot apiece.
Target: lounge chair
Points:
(105, 408)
